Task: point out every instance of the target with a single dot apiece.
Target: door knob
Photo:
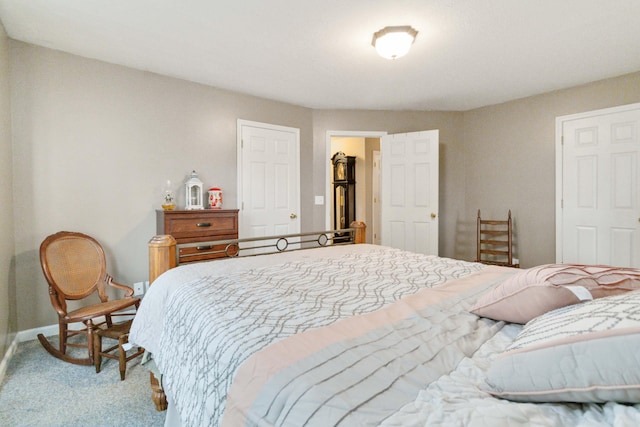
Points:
(433, 216)
(293, 216)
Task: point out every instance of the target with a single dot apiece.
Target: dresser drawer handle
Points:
(204, 248)
(203, 224)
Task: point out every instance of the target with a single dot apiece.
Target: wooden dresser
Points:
(198, 226)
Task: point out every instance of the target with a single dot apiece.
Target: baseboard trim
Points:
(47, 331)
(32, 334)
(23, 336)
(7, 358)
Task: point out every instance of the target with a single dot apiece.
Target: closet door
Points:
(598, 212)
(268, 179)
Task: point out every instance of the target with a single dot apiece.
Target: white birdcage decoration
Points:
(193, 193)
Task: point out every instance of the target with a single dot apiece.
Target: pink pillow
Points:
(537, 290)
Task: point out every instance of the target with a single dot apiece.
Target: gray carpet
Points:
(40, 390)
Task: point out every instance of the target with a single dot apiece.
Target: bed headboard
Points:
(163, 249)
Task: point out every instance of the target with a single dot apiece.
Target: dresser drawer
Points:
(202, 252)
(198, 226)
(185, 227)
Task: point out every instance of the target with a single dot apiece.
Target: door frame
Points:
(328, 190)
(376, 185)
(560, 120)
(239, 171)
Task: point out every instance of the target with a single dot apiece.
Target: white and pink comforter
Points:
(349, 335)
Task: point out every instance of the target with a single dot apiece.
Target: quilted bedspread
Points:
(361, 370)
(353, 336)
(212, 324)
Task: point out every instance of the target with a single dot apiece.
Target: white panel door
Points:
(269, 179)
(600, 191)
(409, 197)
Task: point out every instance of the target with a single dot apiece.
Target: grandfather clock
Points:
(344, 190)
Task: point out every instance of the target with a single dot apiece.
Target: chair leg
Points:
(90, 329)
(97, 349)
(122, 356)
(62, 334)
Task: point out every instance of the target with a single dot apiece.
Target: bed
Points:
(368, 335)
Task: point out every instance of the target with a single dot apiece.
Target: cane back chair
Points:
(74, 266)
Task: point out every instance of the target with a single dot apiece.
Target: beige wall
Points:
(509, 152)
(95, 142)
(7, 276)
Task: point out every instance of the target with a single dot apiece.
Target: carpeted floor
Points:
(40, 390)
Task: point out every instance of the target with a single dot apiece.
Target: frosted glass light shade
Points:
(394, 42)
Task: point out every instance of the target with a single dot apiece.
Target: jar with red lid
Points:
(215, 198)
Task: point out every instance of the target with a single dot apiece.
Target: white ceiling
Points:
(318, 53)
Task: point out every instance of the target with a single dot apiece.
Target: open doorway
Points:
(362, 146)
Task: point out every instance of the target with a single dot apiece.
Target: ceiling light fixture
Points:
(394, 42)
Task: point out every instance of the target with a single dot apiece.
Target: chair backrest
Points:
(495, 241)
(74, 265)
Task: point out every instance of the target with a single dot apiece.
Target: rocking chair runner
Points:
(74, 265)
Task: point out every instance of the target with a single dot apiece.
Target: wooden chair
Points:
(74, 265)
(495, 241)
(120, 333)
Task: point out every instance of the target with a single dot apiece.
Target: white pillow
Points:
(588, 352)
